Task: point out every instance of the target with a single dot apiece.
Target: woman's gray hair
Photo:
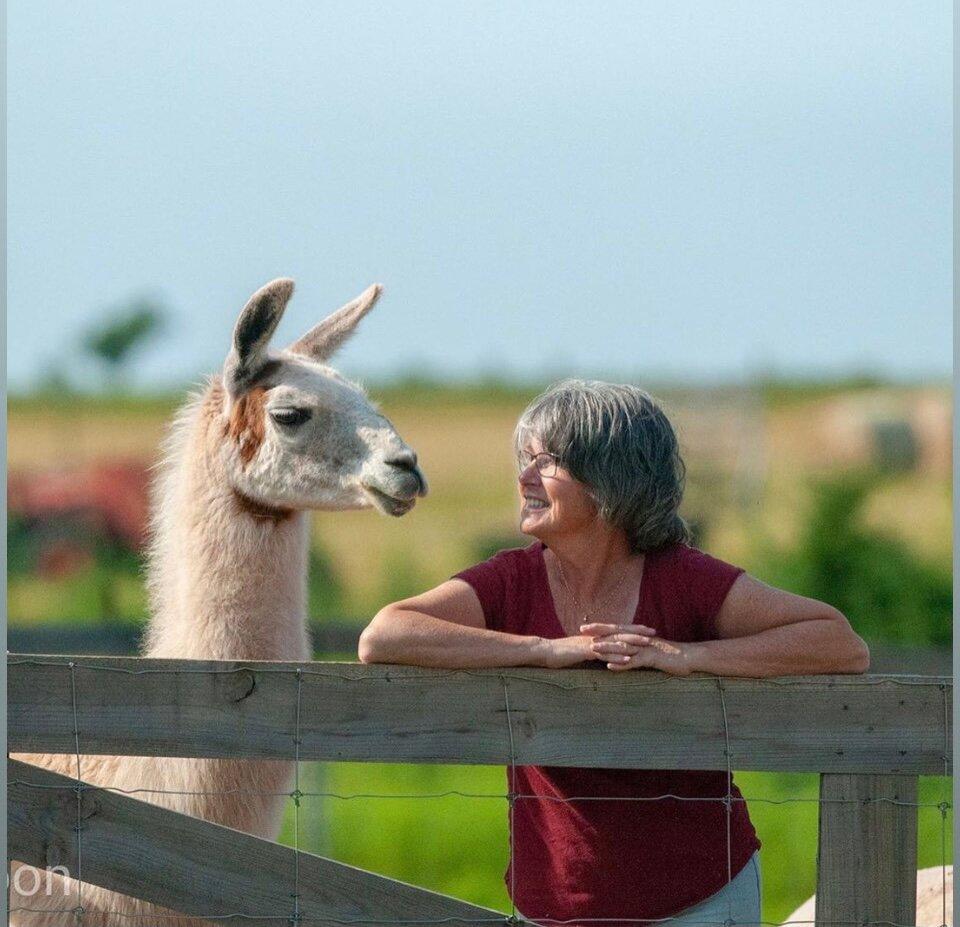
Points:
(617, 441)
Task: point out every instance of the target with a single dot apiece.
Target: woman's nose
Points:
(529, 474)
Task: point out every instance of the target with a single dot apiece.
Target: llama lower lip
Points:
(389, 504)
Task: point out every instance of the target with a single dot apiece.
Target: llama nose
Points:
(405, 459)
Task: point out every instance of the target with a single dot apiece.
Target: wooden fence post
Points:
(867, 849)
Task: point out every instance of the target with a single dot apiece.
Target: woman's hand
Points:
(635, 646)
(564, 652)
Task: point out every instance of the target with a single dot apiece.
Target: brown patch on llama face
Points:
(248, 425)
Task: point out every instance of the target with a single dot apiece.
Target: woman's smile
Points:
(535, 502)
(532, 509)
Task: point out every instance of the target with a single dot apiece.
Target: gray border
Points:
(3, 436)
(956, 432)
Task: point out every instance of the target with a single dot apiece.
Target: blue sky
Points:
(694, 190)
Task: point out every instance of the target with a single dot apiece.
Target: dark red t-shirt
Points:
(617, 859)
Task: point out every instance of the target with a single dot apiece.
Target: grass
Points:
(459, 845)
(74, 600)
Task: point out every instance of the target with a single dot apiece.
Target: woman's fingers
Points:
(621, 665)
(601, 629)
(643, 657)
(657, 653)
(620, 643)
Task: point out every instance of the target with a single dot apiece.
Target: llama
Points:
(933, 885)
(276, 434)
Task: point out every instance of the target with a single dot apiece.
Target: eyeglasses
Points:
(545, 462)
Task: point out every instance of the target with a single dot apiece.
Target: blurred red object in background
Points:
(70, 512)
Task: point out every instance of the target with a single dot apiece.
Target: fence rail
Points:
(199, 708)
(869, 737)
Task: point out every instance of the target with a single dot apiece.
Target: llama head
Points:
(298, 435)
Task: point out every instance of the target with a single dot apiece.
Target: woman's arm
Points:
(445, 627)
(771, 632)
(763, 631)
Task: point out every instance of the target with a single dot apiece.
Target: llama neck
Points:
(226, 583)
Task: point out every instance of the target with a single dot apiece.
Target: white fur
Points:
(225, 585)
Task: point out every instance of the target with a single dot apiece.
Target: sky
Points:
(700, 191)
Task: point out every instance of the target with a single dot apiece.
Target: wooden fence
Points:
(869, 738)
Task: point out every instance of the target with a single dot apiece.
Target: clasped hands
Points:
(632, 646)
(623, 647)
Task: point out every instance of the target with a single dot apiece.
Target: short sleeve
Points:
(492, 581)
(707, 580)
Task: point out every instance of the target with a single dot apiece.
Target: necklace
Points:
(606, 600)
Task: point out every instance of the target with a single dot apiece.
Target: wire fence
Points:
(82, 680)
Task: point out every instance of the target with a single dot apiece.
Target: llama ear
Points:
(324, 339)
(252, 334)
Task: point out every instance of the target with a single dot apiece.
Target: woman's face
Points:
(552, 506)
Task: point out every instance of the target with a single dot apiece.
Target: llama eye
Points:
(290, 417)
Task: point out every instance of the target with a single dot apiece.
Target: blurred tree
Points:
(484, 546)
(885, 589)
(113, 341)
(54, 380)
(112, 561)
(400, 576)
(21, 549)
(324, 586)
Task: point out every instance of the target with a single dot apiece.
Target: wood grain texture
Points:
(867, 850)
(644, 719)
(198, 868)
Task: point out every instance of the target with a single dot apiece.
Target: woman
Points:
(612, 580)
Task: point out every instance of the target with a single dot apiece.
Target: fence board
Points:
(867, 852)
(195, 867)
(644, 719)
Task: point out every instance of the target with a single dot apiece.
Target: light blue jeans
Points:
(738, 901)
